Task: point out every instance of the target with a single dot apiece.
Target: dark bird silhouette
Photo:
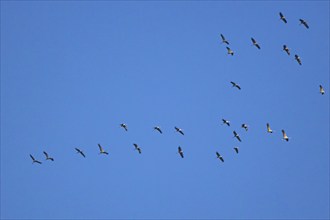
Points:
(180, 151)
(255, 43)
(80, 152)
(285, 137)
(237, 136)
(322, 91)
(124, 126)
(102, 150)
(296, 57)
(179, 130)
(245, 126)
(224, 121)
(286, 49)
(219, 156)
(303, 22)
(235, 85)
(158, 129)
(236, 149)
(269, 130)
(34, 160)
(283, 18)
(47, 157)
(230, 51)
(224, 39)
(137, 148)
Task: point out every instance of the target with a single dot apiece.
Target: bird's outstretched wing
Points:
(46, 154)
(32, 157)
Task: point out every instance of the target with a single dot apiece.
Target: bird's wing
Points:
(222, 159)
(46, 154)
(77, 149)
(237, 86)
(238, 138)
(82, 154)
(181, 154)
(37, 161)
(253, 40)
(179, 149)
(258, 46)
(100, 147)
(217, 153)
(32, 157)
(281, 15)
(306, 25)
(222, 37)
(235, 133)
(181, 132)
(283, 132)
(228, 48)
(285, 21)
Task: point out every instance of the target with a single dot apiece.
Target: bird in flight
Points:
(179, 130)
(235, 85)
(180, 151)
(237, 136)
(219, 156)
(236, 149)
(303, 22)
(283, 18)
(158, 129)
(322, 90)
(285, 137)
(124, 126)
(245, 126)
(286, 49)
(80, 152)
(296, 57)
(137, 148)
(224, 121)
(269, 130)
(34, 160)
(230, 51)
(102, 150)
(224, 39)
(47, 157)
(255, 43)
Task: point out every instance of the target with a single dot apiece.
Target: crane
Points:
(47, 157)
(34, 160)
(80, 152)
(102, 150)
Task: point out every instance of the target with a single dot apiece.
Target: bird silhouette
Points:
(303, 22)
(47, 157)
(269, 130)
(255, 43)
(158, 129)
(219, 156)
(230, 51)
(124, 126)
(283, 18)
(285, 137)
(286, 49)
(224, 39)
(224, 121)
(245, 126)
(179, 130)
(80, 152)
(322, 91)
(296, 57)
(235, 85)
(237, 136)
(180, 151)
(236, 149)
(102, 150)
(137, 148)
(34, 160)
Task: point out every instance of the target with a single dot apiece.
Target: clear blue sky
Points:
(71, 72)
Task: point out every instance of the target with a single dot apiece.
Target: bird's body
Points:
(237, 136)
(245, 126)
(124, 126)
(47, 157)
(80, 152)
(255, 43)
(137, 148)
(230, 51)
(285, 137)
(179, 130)
(286, 49)
(158, 129)
(34, 160)
(303, 22)
(282, 17)
(219, 156)
(322, 91)
(236, 149)
(296, 57)
(180, 151)
(102, 150)
(224, 121)
(224, 39)
(269, 130)
(235, 85)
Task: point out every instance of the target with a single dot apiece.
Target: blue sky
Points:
(71, 72)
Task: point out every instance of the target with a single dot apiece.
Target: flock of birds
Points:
(226, 122)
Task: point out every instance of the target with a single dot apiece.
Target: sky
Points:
(72, 72)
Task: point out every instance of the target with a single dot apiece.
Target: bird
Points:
(137, 148)
(283, 18)
(245, 126)
(179, 130)
(269, 130)
(235, 85)
(47, 157)
(226, 122)
(230, 51)
(34, 160)
(80, 152)
(124, 126)
(102, 150)
(224, 39)
(303, 22)
(180, 151)
(236, 149)
(322, 90)
(286, 49)
(219, 156)
(158, 129)
(285, 137)
(255, 43)
(296, 57)
(237, 136)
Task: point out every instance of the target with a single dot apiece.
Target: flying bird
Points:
(283, 18)
(158, 129)
(34, 160)
(237, 136)
(286, 49)
(303, 22)
(226, 122)
(80, 152)
(285, 137)
(137, 148)
(230, 51)
(180, 151)
(236, 149)
(296, 57)
(102, 150)
(219, 156)
(235, 85)
(123, 126)
(47, 157)
(255, 43)
(322, 90)
(245, 126)
(224, 39)
(269, 130)
(179, 130)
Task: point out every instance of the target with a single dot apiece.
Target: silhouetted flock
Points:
(224, 121)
